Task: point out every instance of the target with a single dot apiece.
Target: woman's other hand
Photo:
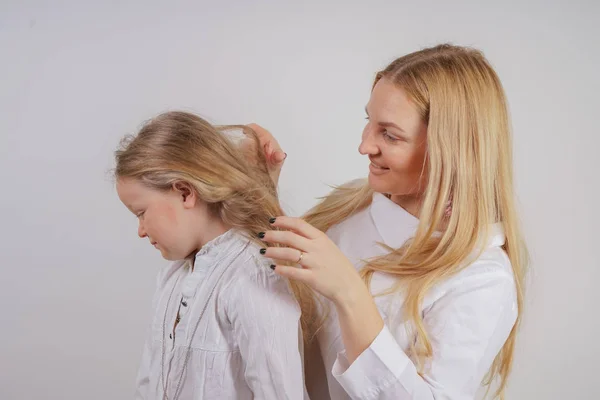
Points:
(273, 152)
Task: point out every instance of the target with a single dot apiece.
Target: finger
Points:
(298, 274)
(288, 239)
(265, 137)
(278, 156)
(278, 254)
(268, 151)
(297, 225)
(274, 157)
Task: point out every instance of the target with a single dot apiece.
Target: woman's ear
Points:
(187, 194)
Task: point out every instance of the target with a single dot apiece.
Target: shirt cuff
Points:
(376, 368)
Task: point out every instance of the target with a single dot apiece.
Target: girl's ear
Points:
(186, 192)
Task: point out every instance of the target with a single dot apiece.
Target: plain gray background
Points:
(76, 76)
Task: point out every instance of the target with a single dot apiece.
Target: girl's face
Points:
(174, 221)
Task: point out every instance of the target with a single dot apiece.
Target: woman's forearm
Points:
(359, 319)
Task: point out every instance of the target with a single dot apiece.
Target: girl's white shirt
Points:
(248, 343)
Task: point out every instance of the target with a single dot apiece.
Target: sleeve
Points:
(143, 376)
(266, 323)
(467, 328)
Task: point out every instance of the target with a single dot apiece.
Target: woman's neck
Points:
(410, 203)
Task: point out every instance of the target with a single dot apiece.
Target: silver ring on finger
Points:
(300, 258)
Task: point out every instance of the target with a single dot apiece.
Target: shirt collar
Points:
(215, 246)
(209, 256)
(396, 225)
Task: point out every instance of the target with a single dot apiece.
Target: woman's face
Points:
(395, 139)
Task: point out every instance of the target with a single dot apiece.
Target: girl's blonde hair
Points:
(468, 162)
(179, 147)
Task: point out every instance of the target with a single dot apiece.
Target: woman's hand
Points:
(322, 266)
(325, 269)
(274, 155)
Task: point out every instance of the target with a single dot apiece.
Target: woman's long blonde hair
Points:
(233, 179)
(468, 162)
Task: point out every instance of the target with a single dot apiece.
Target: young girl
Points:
(433, 235)
(225, 326)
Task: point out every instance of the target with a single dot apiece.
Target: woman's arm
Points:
(330, 273)
(467, 326)
(359, 319)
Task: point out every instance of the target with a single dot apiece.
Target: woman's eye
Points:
(389, 137)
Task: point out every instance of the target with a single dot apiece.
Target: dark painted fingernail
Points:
(263, 251)
(261, 235)
(272, 220)
(273, 267)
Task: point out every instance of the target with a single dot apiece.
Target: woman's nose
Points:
(141, 231)
(368, 146)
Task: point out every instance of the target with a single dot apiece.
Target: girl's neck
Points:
(210, 231)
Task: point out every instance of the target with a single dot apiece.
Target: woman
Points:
(423, 263)
(225, 326)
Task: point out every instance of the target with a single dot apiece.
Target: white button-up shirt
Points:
(468, 318)
(239, 333)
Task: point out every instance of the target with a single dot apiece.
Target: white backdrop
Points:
(75, 76)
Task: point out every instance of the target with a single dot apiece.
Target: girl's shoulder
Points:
(251, 269)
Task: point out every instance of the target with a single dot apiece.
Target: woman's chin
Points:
(378, 184)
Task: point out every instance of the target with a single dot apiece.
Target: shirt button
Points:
(183, 303)
(170, 336)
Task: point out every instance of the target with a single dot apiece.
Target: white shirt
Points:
(248, 343)
(467, 317)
